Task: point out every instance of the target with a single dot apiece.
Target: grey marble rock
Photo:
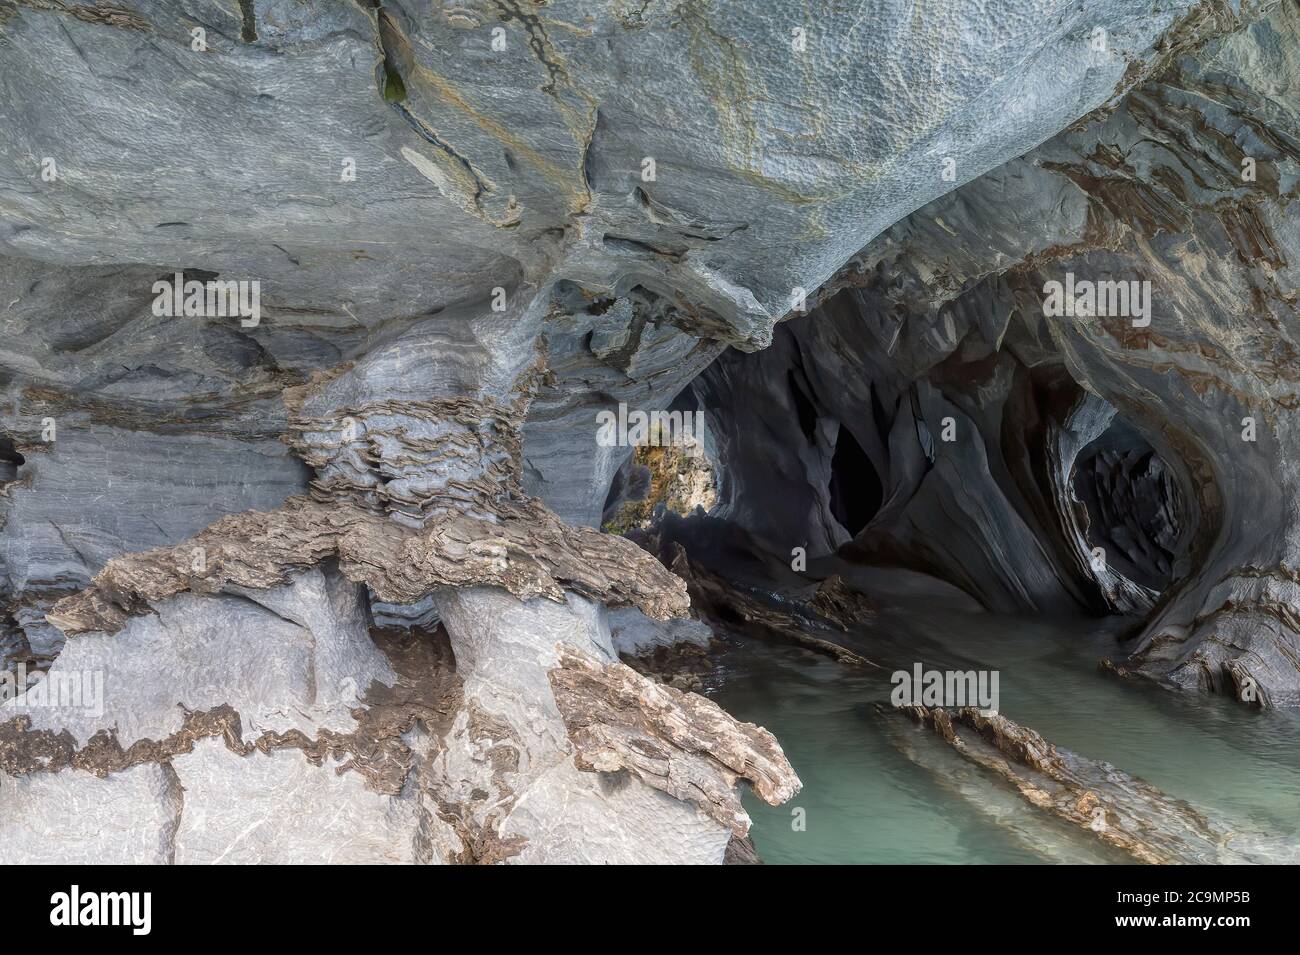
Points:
(636, 635)
(473, 227)
(1188, 185)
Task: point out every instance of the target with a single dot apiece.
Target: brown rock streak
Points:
(677, 742)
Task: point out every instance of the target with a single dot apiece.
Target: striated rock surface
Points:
(513, 775)
(1118, 809)
(474, 226)
(676, 742)
(236, 728)
(1109, 460)
(398, 564)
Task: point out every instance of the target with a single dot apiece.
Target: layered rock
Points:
(1121, 811)
(676, 742)
(980, 426)
(473, 228)
(260, 725)
(569, 756)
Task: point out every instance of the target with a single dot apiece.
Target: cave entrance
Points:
(1131, 503)
(662, 474)
(854, 488)
(1042, 499)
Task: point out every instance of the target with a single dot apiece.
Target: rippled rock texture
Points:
(339, 558)
(1136, 462)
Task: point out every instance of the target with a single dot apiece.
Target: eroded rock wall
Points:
(448, 231)
(1189, 185)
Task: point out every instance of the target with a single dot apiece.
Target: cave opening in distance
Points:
(1131, 505)
(1038, 499)
(665, 473)
(854, 488)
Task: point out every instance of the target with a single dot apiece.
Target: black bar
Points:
(336, 904)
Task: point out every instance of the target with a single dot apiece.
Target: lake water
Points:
(879, 790)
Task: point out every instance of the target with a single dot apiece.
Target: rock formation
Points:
(1121, 811)
(1162, 440)
(331, 538)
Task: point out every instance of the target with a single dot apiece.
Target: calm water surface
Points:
(878, 790)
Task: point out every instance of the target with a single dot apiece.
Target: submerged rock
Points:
(458, 234)
(1118, 809)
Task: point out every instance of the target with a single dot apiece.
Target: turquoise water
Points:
(879, 790)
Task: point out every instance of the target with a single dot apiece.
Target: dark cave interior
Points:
(991, 470)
